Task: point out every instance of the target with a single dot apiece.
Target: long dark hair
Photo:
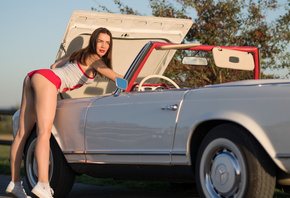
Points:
(82, 54)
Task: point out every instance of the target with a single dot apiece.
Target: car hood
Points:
(130, 34)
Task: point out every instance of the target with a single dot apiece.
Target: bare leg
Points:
(27, 119)
(45, 106)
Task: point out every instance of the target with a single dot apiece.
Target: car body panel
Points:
(119, 130)
(129, 136)
(69, 127)
(252, 106)
(260, 99)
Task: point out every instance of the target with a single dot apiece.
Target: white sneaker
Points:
(16, 191)
(42, 192)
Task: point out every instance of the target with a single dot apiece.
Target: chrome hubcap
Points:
(31, 165)
(224, 174)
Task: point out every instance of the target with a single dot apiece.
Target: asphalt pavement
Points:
(91, 191)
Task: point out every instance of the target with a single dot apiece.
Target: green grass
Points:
(4, 161)
(5, 124)
(144, 185)
(132, 184)
(280, 194)
(5, 153)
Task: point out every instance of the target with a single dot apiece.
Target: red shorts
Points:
(50, 75)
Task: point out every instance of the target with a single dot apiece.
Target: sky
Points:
(31, 32)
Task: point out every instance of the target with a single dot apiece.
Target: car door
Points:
(132, 127)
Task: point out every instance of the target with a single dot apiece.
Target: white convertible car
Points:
(231, 139)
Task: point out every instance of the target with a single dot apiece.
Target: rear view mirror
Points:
(121, 83)
(197, 61)
(233, 59)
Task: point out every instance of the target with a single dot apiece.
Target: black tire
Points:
(231, 163)
(61, 175)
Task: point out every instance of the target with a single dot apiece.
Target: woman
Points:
(39, 101)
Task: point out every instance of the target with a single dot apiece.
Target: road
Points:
(90, 191)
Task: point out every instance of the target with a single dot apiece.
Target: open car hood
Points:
(130, 33)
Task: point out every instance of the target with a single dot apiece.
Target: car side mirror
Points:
(121, 83)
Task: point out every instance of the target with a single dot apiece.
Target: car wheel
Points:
(61, 175)
(231, 163)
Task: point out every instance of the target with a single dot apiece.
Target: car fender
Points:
(248, 123)
(15, 125)
(15, 122)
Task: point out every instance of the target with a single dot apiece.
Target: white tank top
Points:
(72, 76)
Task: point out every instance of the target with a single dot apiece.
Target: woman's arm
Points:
(102, 68)
(59, 63)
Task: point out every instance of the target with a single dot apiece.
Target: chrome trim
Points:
(128, 163)
(247, 85)
(170, 107)
(114, 153)
(179, 153)
(73, 152)
(285, 155)
(139, 154)
(125, 153)
(176, 153)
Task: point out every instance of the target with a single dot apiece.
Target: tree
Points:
(229, 23)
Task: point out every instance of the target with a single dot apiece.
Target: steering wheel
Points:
(157, 76)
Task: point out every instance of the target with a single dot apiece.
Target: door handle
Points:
(170, 107)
